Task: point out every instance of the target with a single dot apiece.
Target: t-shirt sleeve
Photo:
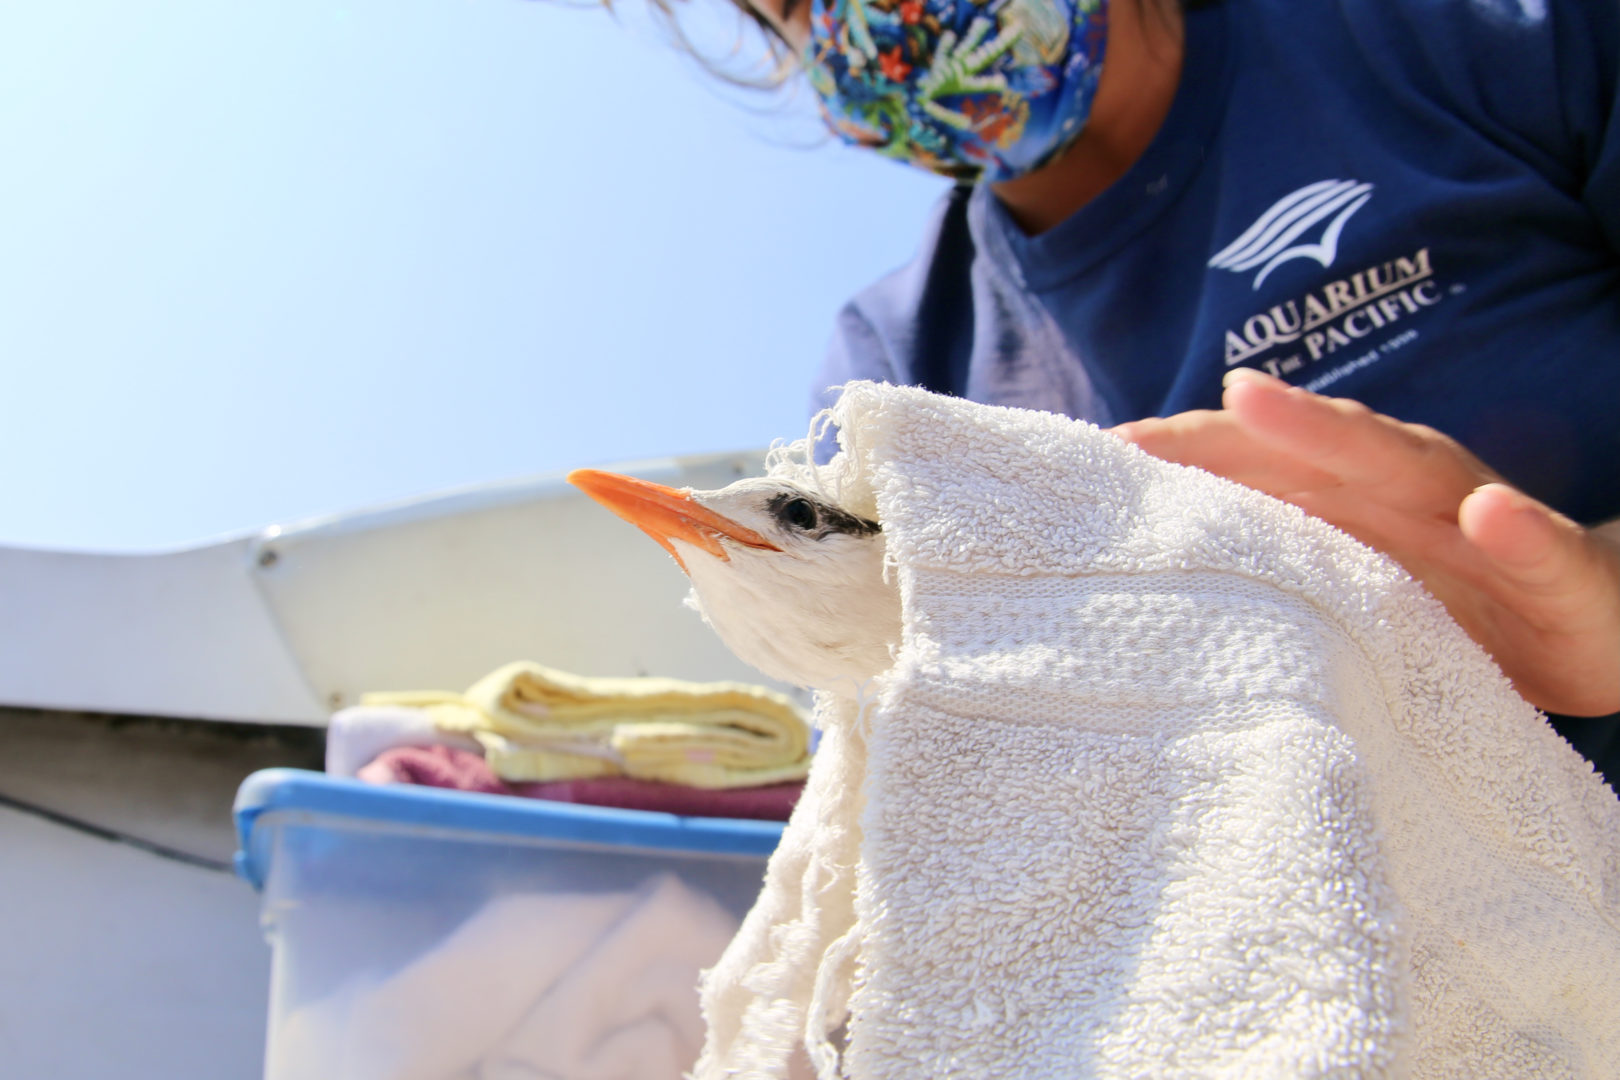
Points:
(855, 352)
(1538, 77)
(880, 332)
(1589, 49)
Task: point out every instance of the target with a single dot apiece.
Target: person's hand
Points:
(1540, 593)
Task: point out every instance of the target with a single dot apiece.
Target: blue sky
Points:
(262, 262)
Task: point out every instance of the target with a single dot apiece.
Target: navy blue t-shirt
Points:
(1414, 203)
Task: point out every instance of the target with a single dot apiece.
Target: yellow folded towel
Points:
(537, 723)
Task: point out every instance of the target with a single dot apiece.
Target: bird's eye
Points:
(798, 513)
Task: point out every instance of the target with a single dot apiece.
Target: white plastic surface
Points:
(438, 594)
(116, 965)
(291, 624)
(182, 634)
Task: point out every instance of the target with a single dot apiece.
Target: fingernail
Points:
(1125, 431)
(1517, 501)
(1249, 375)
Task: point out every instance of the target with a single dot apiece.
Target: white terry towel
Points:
(1168, 780)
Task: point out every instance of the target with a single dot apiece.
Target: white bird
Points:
(793, 584)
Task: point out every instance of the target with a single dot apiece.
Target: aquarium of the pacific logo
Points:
(1303, 224)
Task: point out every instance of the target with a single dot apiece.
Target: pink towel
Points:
(462, 770)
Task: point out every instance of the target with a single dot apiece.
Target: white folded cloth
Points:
(1168, 780)
(356, 735)
(563, 986)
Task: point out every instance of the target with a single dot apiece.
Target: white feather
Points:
(818, 613)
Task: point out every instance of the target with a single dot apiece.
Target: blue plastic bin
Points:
(421, 934)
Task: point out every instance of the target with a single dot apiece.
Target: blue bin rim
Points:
(300, 790)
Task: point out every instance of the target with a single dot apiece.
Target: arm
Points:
(1540, 593)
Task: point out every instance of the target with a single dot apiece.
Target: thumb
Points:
(1561, 584)
(1537, 549)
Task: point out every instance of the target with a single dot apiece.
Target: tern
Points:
(793, 584)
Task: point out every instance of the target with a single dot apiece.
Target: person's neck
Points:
(1141, 71)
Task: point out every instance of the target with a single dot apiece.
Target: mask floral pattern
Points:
(974, 91)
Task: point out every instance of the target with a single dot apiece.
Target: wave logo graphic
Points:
(1273, 239)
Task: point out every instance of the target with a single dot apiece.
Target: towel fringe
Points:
(829, 1003)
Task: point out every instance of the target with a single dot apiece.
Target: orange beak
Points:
(666, 514)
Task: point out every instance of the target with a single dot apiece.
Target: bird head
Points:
(792, 583)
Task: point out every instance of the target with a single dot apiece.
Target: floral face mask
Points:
(976, 91)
